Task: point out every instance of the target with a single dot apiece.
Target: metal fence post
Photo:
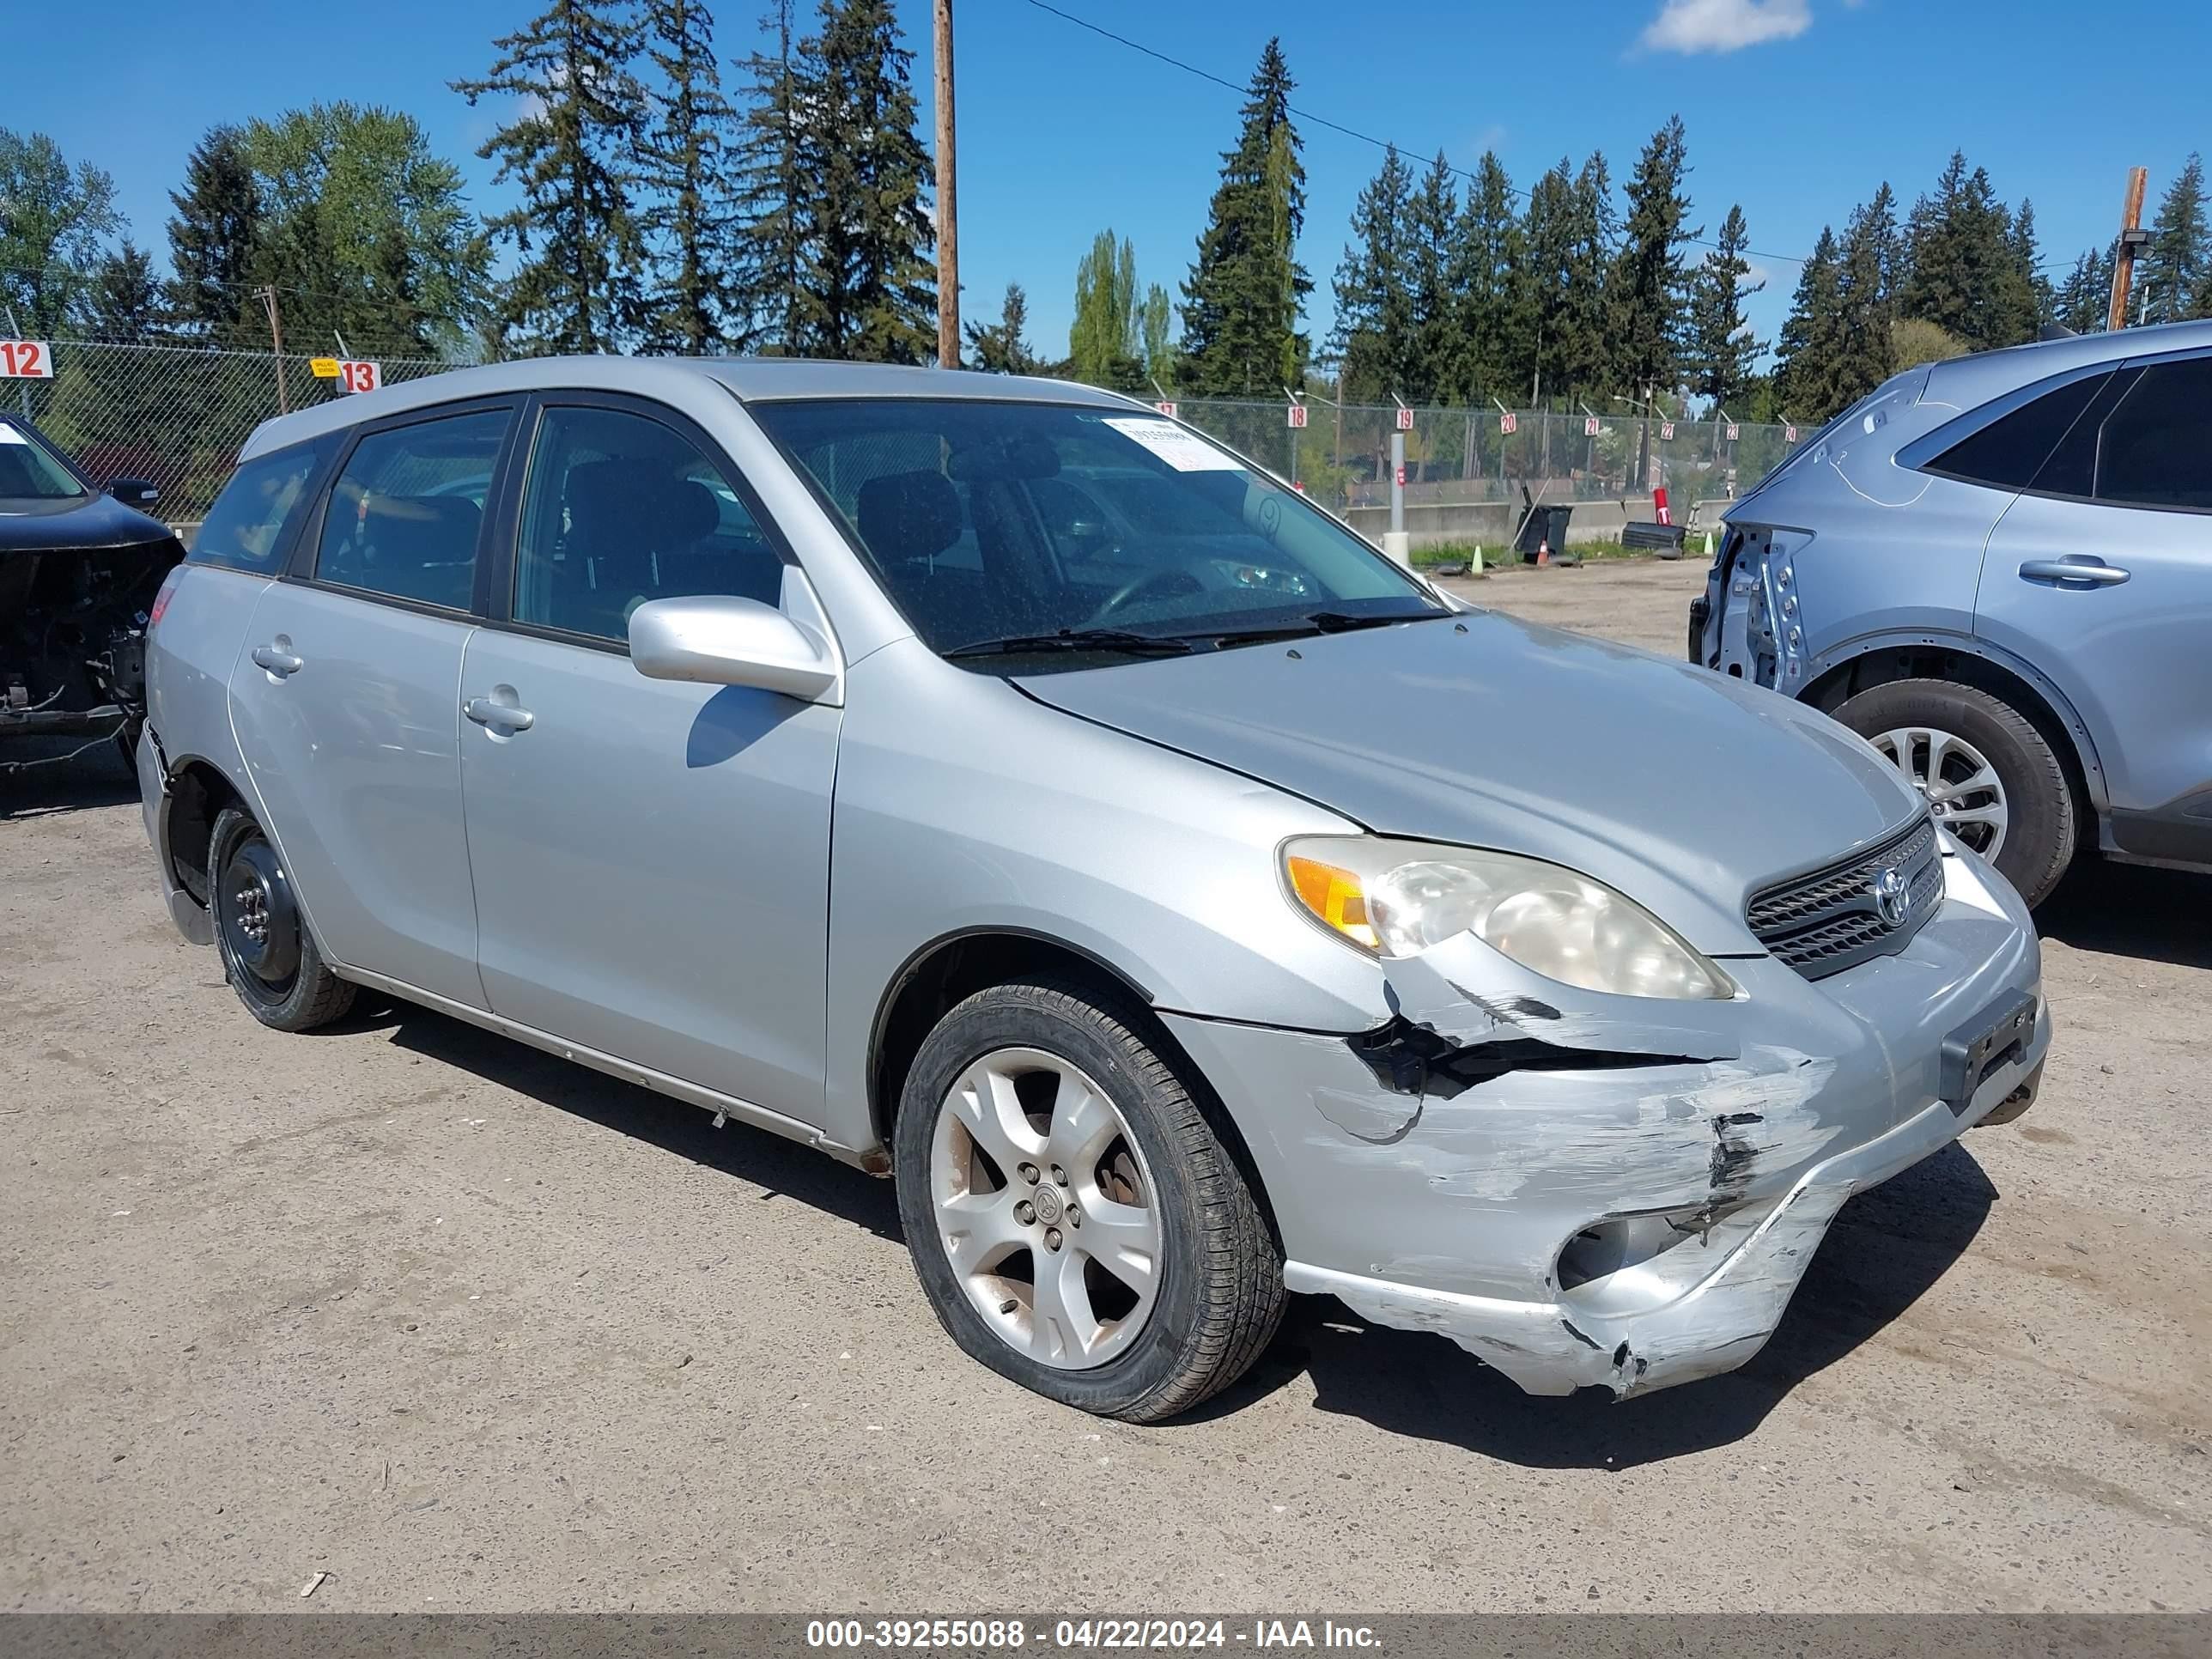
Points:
(1397, 544)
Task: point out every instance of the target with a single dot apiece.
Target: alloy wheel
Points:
(1045, 1208)
(1961, 787)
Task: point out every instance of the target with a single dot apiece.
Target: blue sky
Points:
(1796, 108)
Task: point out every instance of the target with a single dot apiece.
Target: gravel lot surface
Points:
(463, 1327)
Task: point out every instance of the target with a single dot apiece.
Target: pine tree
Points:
(1723, 352)
(126, 301)
(683, 158)
(1806, 368)
(2174, 268)
(772, 194)
(1374, 339)
(1542, 280)
(1647, 290)
(2084, 300)
(1104, 341)
(1431, 218)
(867, 287)
(1863, 350)
(212, 235)
(2029, 300)
(1962, 263)
(998, 347)
(579, 284)
(1247, 291)
(1586, 353)
(1493, 340)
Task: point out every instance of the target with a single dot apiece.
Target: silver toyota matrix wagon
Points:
(1010, 790)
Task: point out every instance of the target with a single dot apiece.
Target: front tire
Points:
(1990, 777)
(1077, 1223)
(268, 954)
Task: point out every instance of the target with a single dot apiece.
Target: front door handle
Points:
(277, 660)
(2083, 568)
(484, 712)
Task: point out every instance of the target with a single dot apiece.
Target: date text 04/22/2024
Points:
(1262, 1635)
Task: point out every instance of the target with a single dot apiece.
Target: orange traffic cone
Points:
(1543, 552)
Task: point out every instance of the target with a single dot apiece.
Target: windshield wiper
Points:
(1312, 621)
(1076, 639)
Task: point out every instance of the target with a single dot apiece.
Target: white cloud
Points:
(1689, 26)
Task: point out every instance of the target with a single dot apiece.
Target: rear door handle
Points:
(484, 712)
(2085, 569)
(277, 660)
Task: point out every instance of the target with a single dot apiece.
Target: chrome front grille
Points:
(1833, 919)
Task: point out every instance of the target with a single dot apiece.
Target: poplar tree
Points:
(1723, 352)
(578, 286)
(683, 158)
(1246, 291)
(1106, 338)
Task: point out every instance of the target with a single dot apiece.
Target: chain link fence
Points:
(176, 414)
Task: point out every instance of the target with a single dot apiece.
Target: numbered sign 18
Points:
(1166, 409)
(1405, 420)
(357, 376)
(1298, 416)
(26, 360)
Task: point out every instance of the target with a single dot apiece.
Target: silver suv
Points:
(1016, 794)
(1998, 570)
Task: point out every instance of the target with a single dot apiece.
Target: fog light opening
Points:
(1622, 1257)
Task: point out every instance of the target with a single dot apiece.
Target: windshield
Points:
(27, 471)
(1014, 528)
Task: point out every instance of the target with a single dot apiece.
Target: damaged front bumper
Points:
(1590, 1190)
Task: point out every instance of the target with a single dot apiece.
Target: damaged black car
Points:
(79, 567)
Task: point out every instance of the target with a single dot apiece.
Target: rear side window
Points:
(406, 508)
(2155, 449)
(2010, 450)
(248, 526)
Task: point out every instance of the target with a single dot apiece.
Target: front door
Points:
(345, 702)
(2101, 576)
(650, 860)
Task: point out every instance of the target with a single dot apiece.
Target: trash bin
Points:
(1542, 526)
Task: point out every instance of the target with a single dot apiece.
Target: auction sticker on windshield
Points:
(1186, 451)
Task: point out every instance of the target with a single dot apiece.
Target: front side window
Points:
(29, 471)
(622, 509)
(1067, 533)
(407, 507)
(245, 529)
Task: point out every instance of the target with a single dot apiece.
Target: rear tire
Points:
(268, 954)
(2031, 788)
(1149, 1343)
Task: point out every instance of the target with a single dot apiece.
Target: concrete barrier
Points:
(1491, 525)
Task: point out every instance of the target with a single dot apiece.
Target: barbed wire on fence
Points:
(177, 413)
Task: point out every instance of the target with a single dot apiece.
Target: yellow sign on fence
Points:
(324, 368)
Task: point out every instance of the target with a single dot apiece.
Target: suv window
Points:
(2155, 448)
(245, 529)
(2010, 450)
(621, 509)
(404, 512)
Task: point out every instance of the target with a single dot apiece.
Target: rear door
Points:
(347, 697)
(651, 859)
(2100, 575)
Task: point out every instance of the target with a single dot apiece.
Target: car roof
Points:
(1965, 382)
(749, 378)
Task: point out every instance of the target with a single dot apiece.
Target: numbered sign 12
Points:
(26, 360)
(355, 375)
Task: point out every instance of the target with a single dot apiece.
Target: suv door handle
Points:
(484, 712)
(278, 662)
(2085, 569)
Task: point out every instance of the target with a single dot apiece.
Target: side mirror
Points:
(135, 492)
(719, 640)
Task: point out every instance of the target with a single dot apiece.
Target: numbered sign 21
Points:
(357, 376)
(26, 360)
(1590, 426)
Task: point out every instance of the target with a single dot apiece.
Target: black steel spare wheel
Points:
(260, 920)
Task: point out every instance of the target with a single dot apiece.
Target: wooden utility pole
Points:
(2132, 237)
(267, 295)
(948, 200)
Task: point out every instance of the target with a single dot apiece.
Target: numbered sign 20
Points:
(1508, 424)
(26, 360)
(357, 376)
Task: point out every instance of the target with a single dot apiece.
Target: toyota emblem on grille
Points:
(1892, 896)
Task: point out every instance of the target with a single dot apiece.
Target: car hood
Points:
(86, 521)
(1685, 790)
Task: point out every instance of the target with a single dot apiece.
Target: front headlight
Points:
(1396, 898)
